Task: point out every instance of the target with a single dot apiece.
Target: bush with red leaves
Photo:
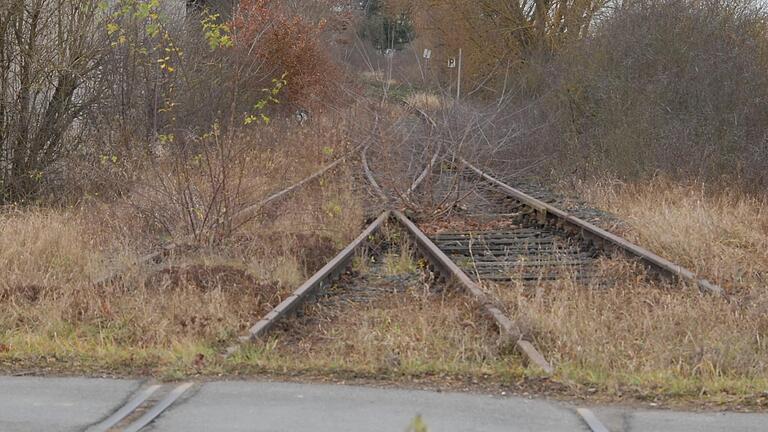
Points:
(281, 43)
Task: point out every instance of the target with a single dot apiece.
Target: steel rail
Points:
(594, 423)
(319, 280)
(600, 237)
(452, 272)
(158, 409)
(423, 176)
(369, 175)
(164, 250)
(411, 189)
(449, 269)
(333, 268)
(419, 179)
(314, 176)
(125, 411)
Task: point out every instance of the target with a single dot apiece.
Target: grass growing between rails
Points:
(635, 336)
(388, 318)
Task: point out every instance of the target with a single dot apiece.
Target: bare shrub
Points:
(50, 57)
(671, 85)
(675, 86)
(497, 35)
(204, 190)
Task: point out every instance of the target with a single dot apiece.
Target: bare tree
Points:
(50, 54)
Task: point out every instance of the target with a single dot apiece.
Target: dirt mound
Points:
(28, 293)
(312, 250)
(208, 278)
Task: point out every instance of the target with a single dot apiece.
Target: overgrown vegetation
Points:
(675, 86)
(127, 125)
(51, 55)
(198, 301)
(386, 27)
(638, 337)
(390, 319)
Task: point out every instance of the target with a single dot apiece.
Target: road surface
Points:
(77, 404)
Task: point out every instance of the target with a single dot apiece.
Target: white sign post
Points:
(452, 64)
(427, 57)
(458, 81)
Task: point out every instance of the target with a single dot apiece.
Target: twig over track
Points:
(551, 215)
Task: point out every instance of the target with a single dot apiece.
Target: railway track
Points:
(504, 235)
(513, 238)
(446, 267)
(147, 404)
(549, 219)
(494, 234)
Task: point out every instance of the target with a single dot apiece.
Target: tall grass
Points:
(204, 295)
(637, 336)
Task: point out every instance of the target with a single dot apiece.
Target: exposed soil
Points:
(312, 250)
(233, 282)
(209, 278)
(28, 293)
(471, 224)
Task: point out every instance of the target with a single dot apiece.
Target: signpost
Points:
(427, 57)
(458, 81)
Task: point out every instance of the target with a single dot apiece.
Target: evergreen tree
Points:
(386, 30)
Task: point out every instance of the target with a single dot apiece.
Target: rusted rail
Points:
(451, 271)
(320, 279)
(424, 174)
(163, 251)
(411, 189)
(334, 268)
(508, 328)
(370, 177)
(599, 237)
(319, 173)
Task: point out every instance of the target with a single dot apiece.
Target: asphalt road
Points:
(74, 404)
(59, 404)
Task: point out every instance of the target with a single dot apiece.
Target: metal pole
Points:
(458, 85)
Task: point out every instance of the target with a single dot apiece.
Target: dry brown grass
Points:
(51, 307)
(389, 320)
(427, 101)
(45, 248)
(640, 337)
(398, 333)
(201, 298)
(377, 77)
(721, 234)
